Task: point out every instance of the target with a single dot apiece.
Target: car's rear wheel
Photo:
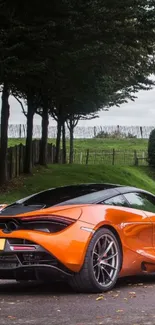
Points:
(102, 264)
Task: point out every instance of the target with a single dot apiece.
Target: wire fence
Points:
(111, 157)
(140, 132)
(16, 156)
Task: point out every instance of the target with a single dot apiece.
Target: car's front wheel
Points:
(102, 264)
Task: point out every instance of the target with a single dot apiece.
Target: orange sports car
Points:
(87, 234)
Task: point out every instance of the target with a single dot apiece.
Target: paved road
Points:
(132, 302)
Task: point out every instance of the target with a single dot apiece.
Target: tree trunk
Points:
(5, 111)
(28, 148)
(71, 152)
(63, 144)
(43, 142)
(58, 140)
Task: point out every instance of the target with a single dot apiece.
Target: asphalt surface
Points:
(132, 302)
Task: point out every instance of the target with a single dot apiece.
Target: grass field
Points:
(57, 175)
(101, 151)
(98, 144)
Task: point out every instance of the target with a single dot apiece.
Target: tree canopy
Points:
(71, 59)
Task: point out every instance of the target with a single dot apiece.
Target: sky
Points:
(140, 113)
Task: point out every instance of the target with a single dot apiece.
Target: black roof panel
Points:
(87, 193)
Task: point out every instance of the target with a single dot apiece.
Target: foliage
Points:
(151, 149)
(73, 58)
(115, 134)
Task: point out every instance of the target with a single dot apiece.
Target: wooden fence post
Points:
(113, 156)
(20, 131)
(21, 159)
(94, 131)
(135, 158)
(81, 156)
(17, 161)
(87, 156)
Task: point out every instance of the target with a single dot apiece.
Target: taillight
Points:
(23, 248)
(46, 223)
(49, 218)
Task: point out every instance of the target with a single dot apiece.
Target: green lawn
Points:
(101, 151)
(99, 144)
(57, 175)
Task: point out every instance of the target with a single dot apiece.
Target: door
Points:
(145, 202)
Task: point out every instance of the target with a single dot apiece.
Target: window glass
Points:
(61, 194)
(141, 201)
(118, 200)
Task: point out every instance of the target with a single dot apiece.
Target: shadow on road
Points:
(60, 288)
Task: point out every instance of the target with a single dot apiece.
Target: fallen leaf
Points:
(119, 311)
(11, 317)
(132, 293)
(100, 298)
(125, 298)
(115, 295)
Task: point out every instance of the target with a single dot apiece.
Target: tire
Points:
(94, 278)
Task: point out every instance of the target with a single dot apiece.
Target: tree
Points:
(44, 106)
(80, 56)
(7, 58)
(58, 113)
(5, 111)
(102, 50)
(151, 149)
(20, 61)
(72, 122)
(44, 137)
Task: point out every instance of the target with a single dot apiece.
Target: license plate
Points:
(2, 244)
